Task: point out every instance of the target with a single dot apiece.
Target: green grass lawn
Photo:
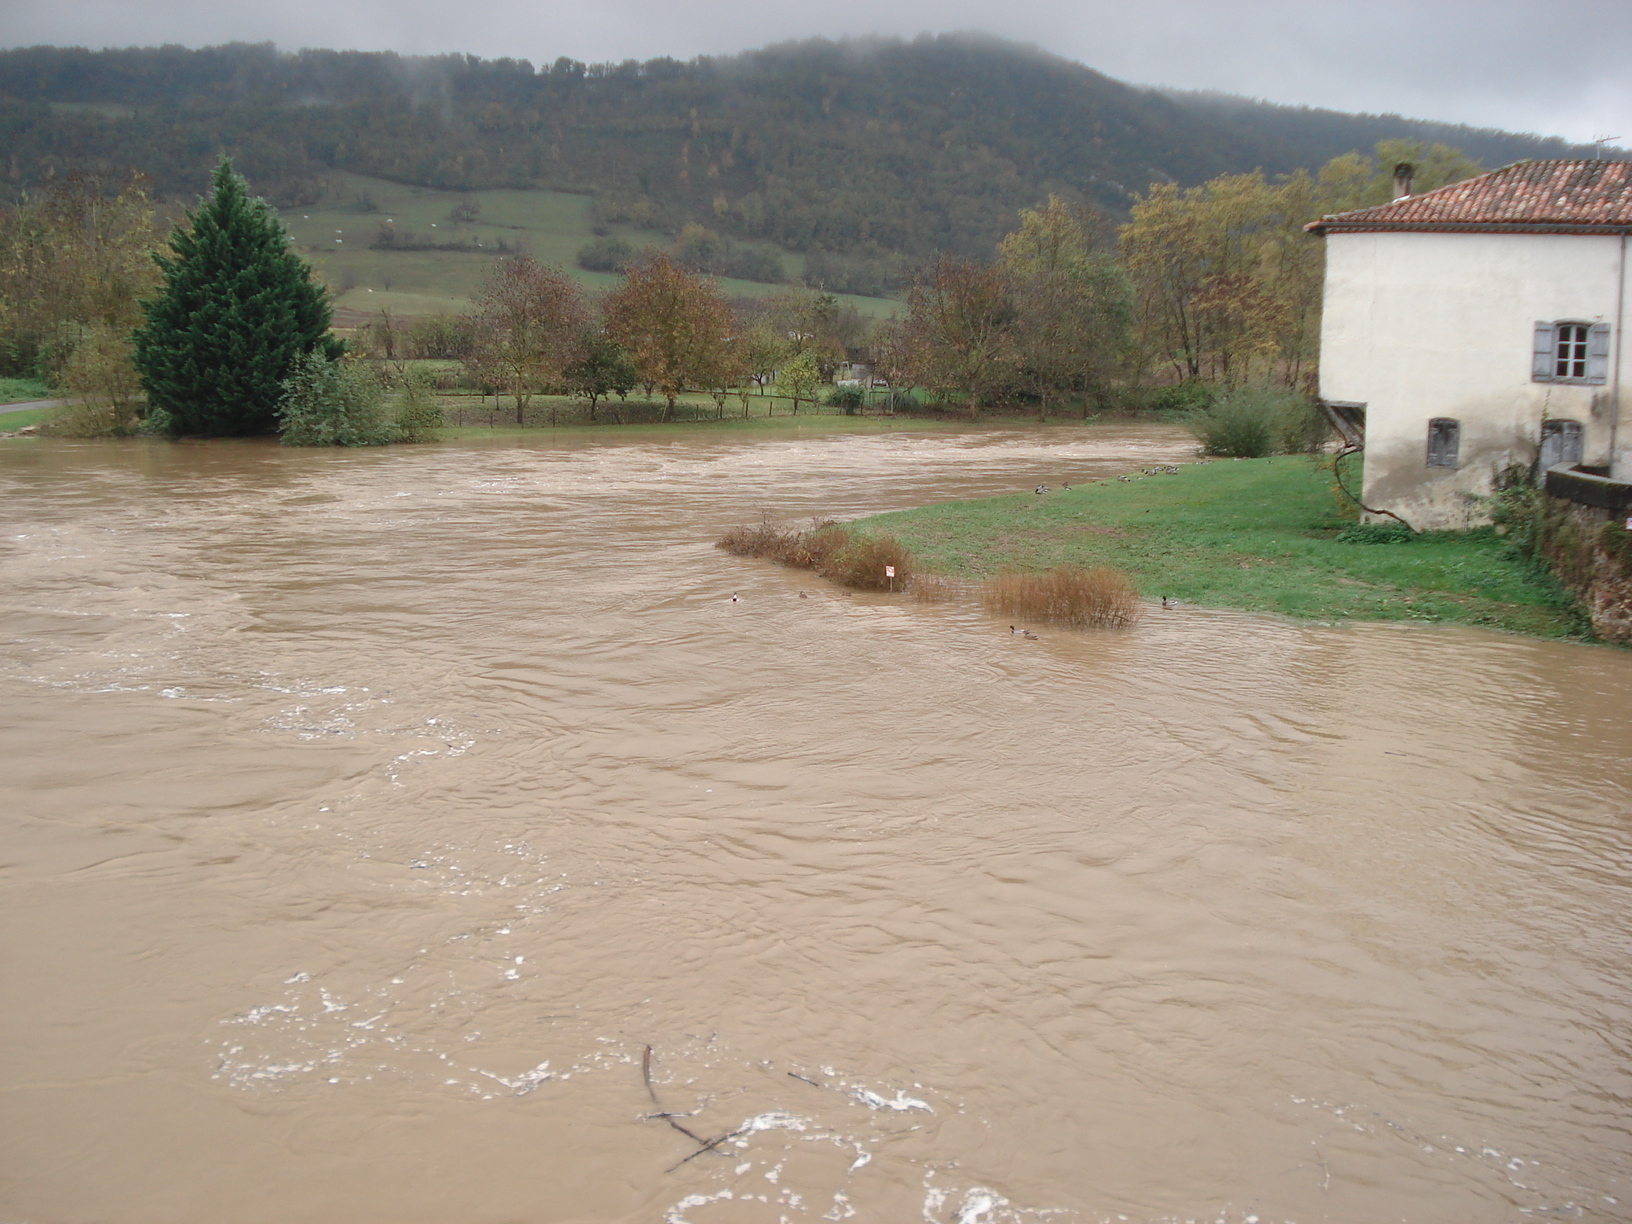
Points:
(12, 421)
(21, 390)
(336, 235)
(1259, 535)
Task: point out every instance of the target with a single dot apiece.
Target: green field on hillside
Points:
(337, 234)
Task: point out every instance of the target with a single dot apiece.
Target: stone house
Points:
(1478, 327)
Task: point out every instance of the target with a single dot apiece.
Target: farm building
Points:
(1477, 329)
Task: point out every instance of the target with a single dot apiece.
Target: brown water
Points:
(366, 815)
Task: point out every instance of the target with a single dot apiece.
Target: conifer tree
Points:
(237, 309)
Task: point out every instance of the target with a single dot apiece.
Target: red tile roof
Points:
(1529, 197)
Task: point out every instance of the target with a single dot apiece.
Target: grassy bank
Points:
(1259, 535)
(10, 422)
(21, 390)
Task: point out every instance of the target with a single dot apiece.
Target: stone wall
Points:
(1583, 534)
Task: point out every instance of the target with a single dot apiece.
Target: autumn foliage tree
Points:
(962, 316)
(675, 326)
(1072, 303)
(74, 260)
(525, 328)
(1228, 285)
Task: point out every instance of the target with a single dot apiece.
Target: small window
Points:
(1560, 442)
(1566, 351)
(1444, 439)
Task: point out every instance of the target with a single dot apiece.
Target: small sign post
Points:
(889, 572)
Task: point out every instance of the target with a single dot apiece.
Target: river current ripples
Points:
(379, 825)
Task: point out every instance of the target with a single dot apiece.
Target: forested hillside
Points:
(872, 152)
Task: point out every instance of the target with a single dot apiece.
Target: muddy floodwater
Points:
(366, 816)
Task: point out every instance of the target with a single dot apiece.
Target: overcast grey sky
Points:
(1542, 67)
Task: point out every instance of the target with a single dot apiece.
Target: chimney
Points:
(1403, 174)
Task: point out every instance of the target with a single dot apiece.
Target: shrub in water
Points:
(100, 373)
(1079, 598)
(834, 552)
(860, 563)
(333, 402)
(419, 416)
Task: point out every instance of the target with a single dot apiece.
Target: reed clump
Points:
(935, 588)
(1098, 598)
(838, 554)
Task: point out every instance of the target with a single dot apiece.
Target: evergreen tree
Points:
(238, 308)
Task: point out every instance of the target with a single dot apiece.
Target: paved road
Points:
(30, 405)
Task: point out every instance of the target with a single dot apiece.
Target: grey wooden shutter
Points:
(1560, 442)
(1598, 354)
(1444, 440)
(1571, 434)
(1541, 354)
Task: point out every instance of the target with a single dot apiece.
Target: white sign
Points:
(889, 570)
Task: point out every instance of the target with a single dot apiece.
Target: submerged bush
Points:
(860, 563)
(107, 388)
(1251, 422)
(836, 553)
(419, 416)
(1079, 598)
(333, 402)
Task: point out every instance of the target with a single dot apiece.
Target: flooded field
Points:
(389, 836)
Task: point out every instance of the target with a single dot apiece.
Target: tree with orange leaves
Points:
(675, 326)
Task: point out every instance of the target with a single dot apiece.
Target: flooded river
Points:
(367, 816)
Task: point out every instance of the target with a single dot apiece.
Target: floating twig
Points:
(709, 1146)
(811, 1082)
(703, 1145)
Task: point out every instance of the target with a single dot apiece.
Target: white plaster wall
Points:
(1424, 325)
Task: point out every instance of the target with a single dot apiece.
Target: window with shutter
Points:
(1567, 351)
(1560, 442)
(1444, 440)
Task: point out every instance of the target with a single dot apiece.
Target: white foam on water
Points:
(673, 1214)
(775, 1120)
(900, 1104)
(524, 1083)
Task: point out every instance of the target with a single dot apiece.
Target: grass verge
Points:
(21, 390)
(12, 421)
(1260, 535)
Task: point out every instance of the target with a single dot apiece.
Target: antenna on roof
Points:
(1598, 143)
